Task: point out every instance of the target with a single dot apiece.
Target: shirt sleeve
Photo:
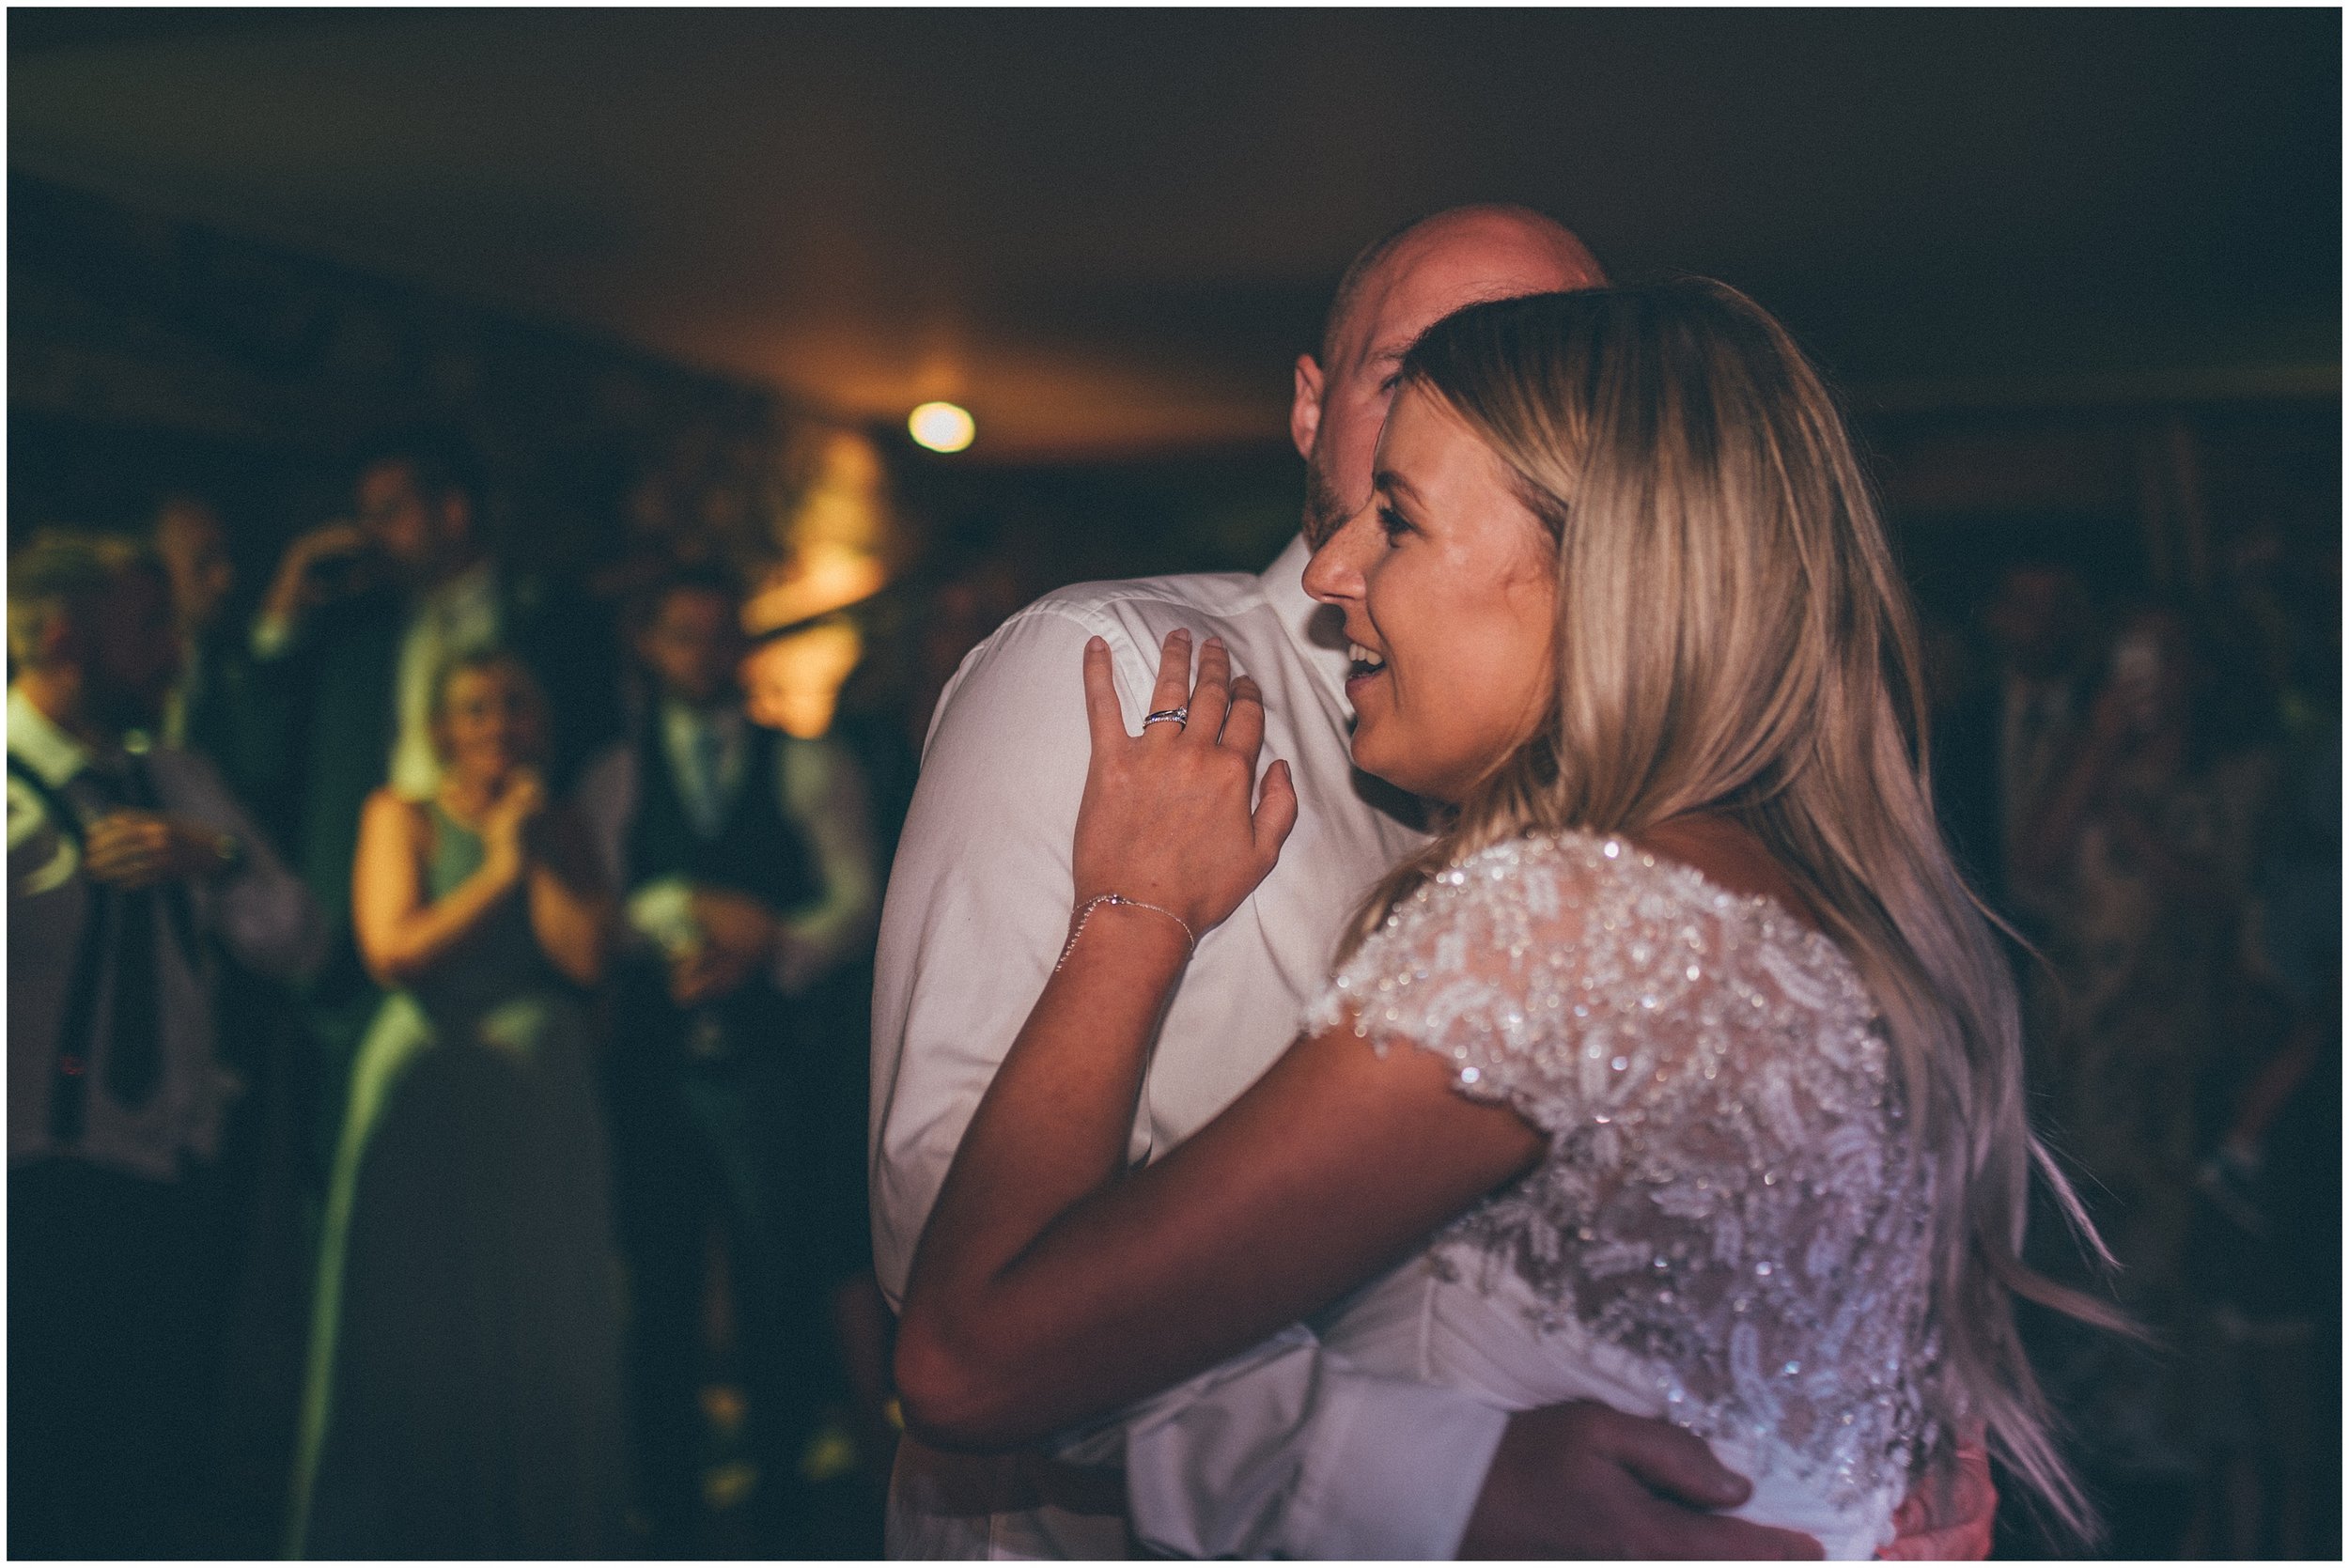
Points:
(273, 638)
(605, 799)
(977, 909)
(263, 912)
(1280, 1452)
(819, 787)
(41, 857)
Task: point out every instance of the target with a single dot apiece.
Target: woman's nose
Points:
(1334, 574)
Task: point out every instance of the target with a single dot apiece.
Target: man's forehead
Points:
(189, 519)
(388, 475)
(1397, 317)
(1389, 335)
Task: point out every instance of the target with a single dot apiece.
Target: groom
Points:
(1284, 1450)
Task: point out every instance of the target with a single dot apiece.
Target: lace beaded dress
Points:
(1728, 1229)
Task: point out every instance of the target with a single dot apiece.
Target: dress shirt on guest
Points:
(705, 749)
(460, 616)
(1285, 1451)
(259, 909)
(820, 790)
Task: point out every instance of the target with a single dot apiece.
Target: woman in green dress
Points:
(463, 1396)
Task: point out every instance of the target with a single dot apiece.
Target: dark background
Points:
(2076, 271)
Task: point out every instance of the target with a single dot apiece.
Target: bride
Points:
(1680, 1070)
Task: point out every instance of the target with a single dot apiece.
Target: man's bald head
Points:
(1513, 240)
(1393, 291)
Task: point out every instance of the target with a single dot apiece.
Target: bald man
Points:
(1284, 1450)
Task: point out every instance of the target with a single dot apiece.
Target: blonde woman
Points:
(463, 1398)
(1680, 1071)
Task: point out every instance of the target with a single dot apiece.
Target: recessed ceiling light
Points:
(942, 427)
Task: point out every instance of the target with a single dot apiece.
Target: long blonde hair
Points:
(1733, 636)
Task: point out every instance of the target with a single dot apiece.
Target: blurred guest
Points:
(2268, 1253)
(660, 531)
(749, 875)
(193, 549)
(126, 860)
(358, 617)
(1995, 751)
(2140, 856)
(464, 1384)
(219, 707)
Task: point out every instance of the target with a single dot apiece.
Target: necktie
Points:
(708, 750)
(134, 1055)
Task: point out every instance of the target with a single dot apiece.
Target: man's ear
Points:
(1305, 404)
(64, 638)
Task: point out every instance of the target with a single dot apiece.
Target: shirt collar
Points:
(682, 720)
(35, 739)
(1319, 638)
(473, 588)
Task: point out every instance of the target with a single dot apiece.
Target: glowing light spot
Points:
(942, 427)
(793, 683)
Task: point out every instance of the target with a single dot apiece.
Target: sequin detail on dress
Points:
(1728, 1195)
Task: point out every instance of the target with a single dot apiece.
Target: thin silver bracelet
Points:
(1084, 912)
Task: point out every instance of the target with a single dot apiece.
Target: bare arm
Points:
(402, 934)
(570, 913)
(1050, 1290)
(1048, 1286)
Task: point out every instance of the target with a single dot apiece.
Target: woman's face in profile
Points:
(489, 725)
(1447, 587)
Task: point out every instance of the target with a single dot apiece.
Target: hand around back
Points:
(1582, 1480)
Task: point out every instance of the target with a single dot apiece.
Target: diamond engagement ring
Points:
(1176, 716)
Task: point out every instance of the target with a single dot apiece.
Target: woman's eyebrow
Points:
(1389, 480)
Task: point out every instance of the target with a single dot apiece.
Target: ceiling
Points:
(1108, 232)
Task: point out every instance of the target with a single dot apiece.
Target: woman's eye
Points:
(1392, 522)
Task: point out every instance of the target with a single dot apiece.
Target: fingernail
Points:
(1178, 632)
(1215, 641)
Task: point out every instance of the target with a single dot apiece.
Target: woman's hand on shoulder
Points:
(1167, 817)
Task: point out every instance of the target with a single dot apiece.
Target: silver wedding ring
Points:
(1177, 716)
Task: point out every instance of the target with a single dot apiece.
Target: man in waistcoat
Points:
(748, 873)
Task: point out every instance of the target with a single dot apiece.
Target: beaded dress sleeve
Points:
(1728, 1199)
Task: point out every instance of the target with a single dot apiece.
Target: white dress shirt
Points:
(1287, 1450)
(458, 617)
(707, 749)
(261, 912)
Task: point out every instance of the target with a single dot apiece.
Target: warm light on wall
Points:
(820, 578)
(942, 427)
(793, 683)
